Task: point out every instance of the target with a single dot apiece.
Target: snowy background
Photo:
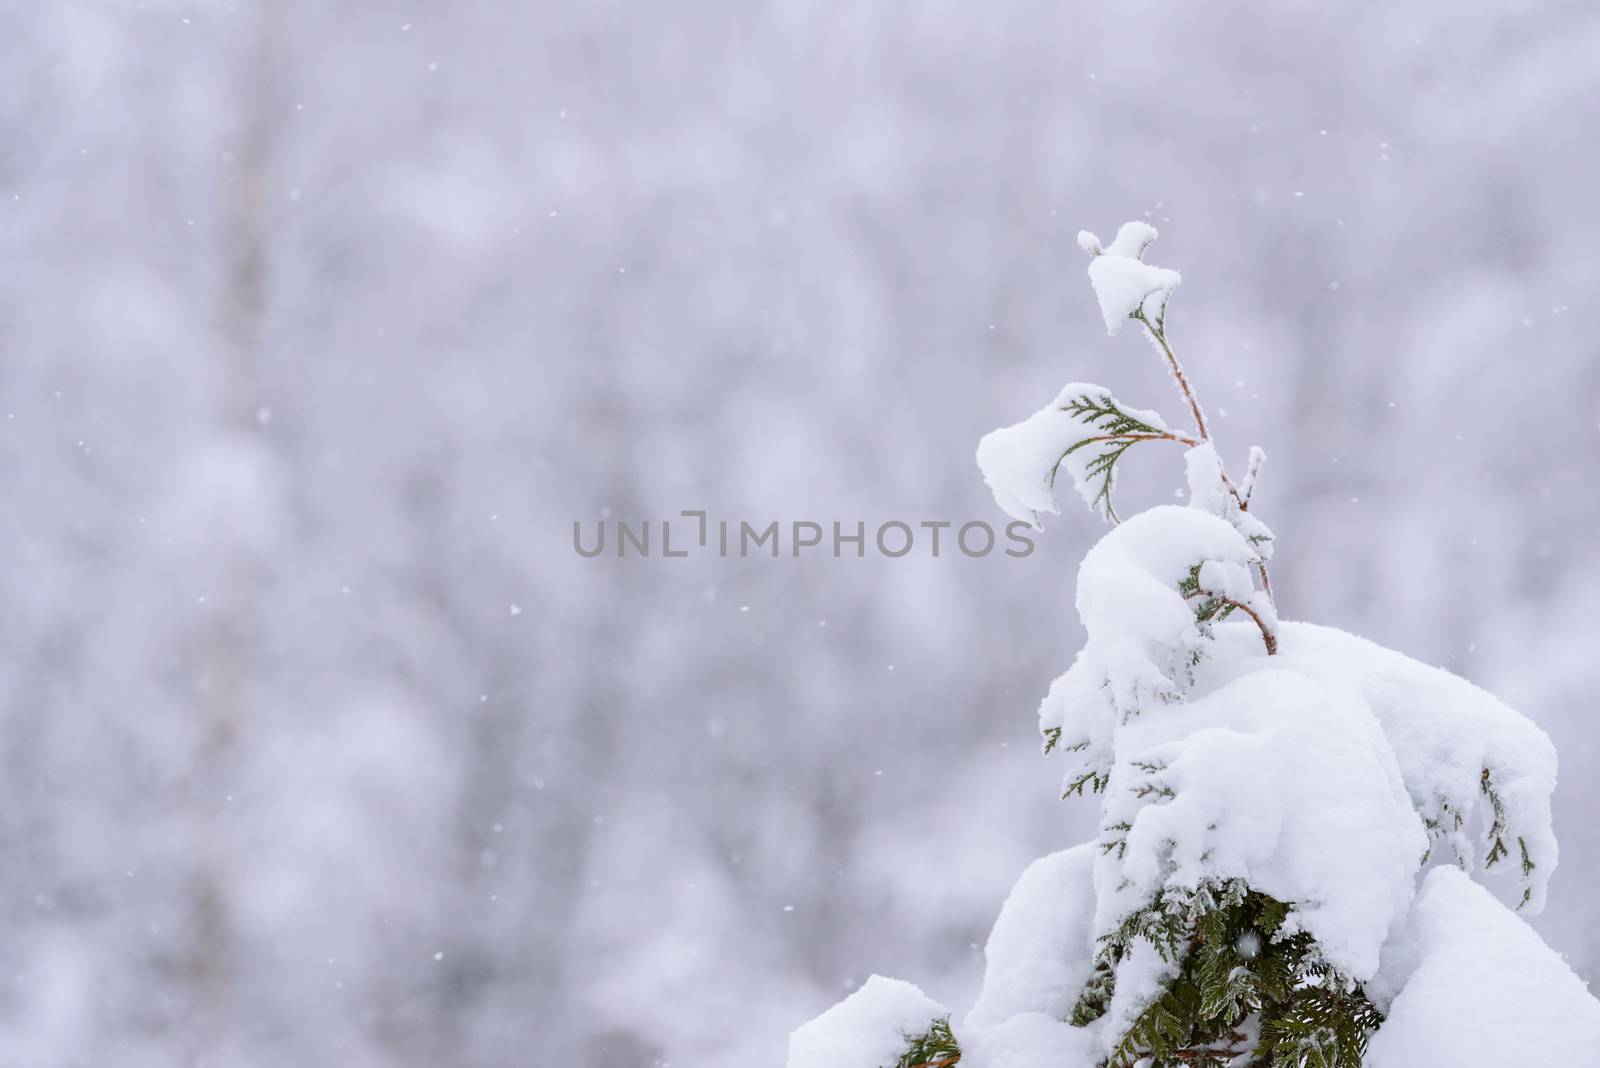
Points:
(320, 323)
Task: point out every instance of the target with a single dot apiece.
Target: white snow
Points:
(1140, 978)
(1124, 285)
(1029, 1040)
(1325, 776)
(1208, 491)
(1276, 780)
(1123, 282)
(1079, 707)
(1132, 239)
(868, 1029)
(1041, 949)
(1443, 731)
(1037, 959)
(1143, 639)
(1142, 633)
(1477, 988)
(1202, 469)
(1020, 462)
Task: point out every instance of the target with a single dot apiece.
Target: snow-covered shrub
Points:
(1273, 797)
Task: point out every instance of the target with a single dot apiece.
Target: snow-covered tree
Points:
(1288, 812)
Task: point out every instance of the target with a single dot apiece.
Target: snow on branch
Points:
(1466, 983)
(1270, 796)
(1277, 781)
(876, 1027)
(1478, 773)
(1085, 431)
(1123, 283)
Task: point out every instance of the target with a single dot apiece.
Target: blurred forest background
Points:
(321, 322)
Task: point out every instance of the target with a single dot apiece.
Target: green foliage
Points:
(1118, 843)
(1208, 608)
(1117, 430)
(1093, 779)
(1320, 1027)
(1096, 996)
(1240, 987)
(1448, 821)
(1497, 826)
(934, 1048)
(1496, 835)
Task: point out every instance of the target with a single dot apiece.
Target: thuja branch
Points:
(1157, 332)
(1217, 607)
(1181, 438)
(1252, 472)
(934, 1048)
(1113, 429)
(1269, 639)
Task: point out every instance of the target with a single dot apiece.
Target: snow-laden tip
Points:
(1123, 282)
(1132, 239)
(1041, 949)
(1452, 741)
(1143, 634)
(1280, 782)
(1124, 286)
(1020, 462)
(1208, 491)
(1467, 983)
(868, 1029)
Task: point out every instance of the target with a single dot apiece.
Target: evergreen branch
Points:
(1157, 332)
(1232, 965)
(1215, 608)
(1120, 845)
(1496, 835)
(1252, 472)
(934, 1048)
(1104, 413)
(1527, 869)
(1497, 825)
(1448, 821)
(1120, 430)
(1165, 435)
(1268, 638)
(1093, 780)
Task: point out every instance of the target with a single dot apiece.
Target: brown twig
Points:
(1269, 639)
(1169, 435)
(1157, 332)
(1238, 1046)
(1266, 580)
